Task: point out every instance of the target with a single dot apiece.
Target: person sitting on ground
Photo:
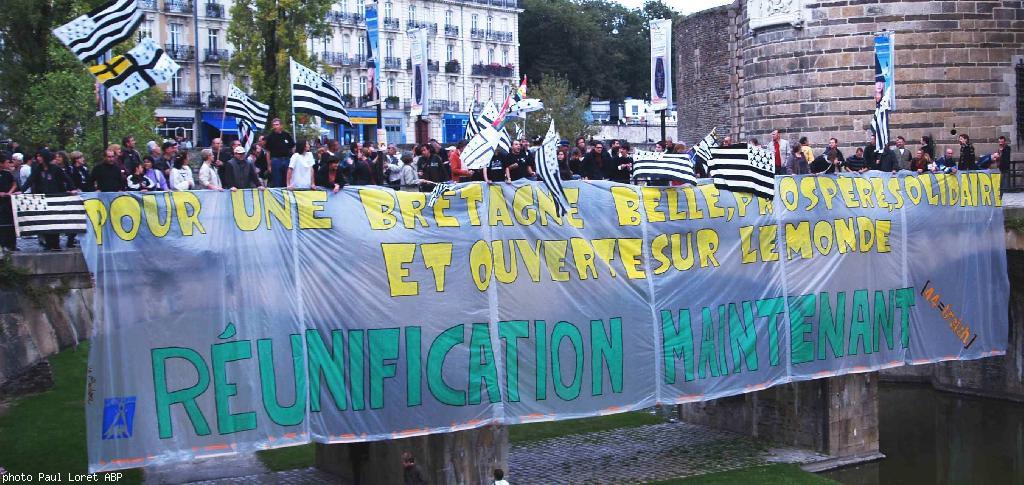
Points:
(181, 174)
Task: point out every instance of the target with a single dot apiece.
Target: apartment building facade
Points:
(473, 49)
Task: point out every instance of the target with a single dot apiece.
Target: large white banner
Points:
(420, 74)
(661, 64)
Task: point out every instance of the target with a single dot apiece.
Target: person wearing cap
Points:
(240, 173)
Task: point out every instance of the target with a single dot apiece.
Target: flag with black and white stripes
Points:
(251, 115)
(661, 166)
(548, 170)
(314, 94)
(484, 139)
(880, 124)
(439, 189)
(504, 141)
(702, 150)
(739, 168)
(91, 35)
(36, 214)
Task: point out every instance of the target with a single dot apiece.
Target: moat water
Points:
(936, 437)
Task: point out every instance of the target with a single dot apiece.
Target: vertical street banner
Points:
(885, 69)
(661, 64)
(376, 59)
(291, 317)
(420, 74)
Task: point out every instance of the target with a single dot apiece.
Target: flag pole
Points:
(291, 82)
(107, 105)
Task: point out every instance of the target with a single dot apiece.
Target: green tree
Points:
(562, 103)
(267, 33)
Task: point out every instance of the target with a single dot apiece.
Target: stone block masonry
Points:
(954, 68)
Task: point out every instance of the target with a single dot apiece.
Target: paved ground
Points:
(626, 455)
(1013, 200)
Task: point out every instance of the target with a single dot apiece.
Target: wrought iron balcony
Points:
(214, 10)
(216, 55)
(181, 98)
(493, 70)
(335, 58)
(392, 63)
(180, 52)
(452, 67)
(147, 4)
(365, 100)
(439, 105)
(433, 66)
(392, 103)
(498, 36)
(360, 60)
(391, 23)
(477, 34)
(215, 101)
(178, 6)
(347, 18)
(413, 25)
(451, 30)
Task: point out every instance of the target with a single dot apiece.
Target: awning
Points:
(362, 117)
(218, 121)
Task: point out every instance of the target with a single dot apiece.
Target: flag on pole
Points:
(439, 189)
(313, 94)
(471, 127)
(739, 168)
(244, 108)
(702, 150)
(92, 34)
(141, 68)
(548, 170)
(480, 149)
(880, 124)
(658, 165)
(36, 214)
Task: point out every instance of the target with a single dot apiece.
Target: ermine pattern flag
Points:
(313, 94)
(36, 214)
(658, 165)
(92, 34)
(244, 108)
(141, 68)
(880, 124)
(739, 168)
(504, 140)
(485, 139)
(548, 170)
(471, 126)
(245, 134)
(702, 150)
(439, 190)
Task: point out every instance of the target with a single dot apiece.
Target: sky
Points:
(682, 6)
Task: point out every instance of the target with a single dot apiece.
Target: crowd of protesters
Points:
(278, 159)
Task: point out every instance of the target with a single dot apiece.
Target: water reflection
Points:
(937, 437)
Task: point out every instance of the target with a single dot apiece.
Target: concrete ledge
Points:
(841, 462)
(51, 263)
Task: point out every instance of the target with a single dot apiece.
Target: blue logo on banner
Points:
(118, 417)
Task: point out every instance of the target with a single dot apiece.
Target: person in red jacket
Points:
(455, 160)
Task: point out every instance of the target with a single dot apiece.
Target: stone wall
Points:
(56, 315)
(837, 416)
(703, 62)
(954, 68)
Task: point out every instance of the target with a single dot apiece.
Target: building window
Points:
(474, 21)
(174, 33)
(504, 24)
(176, 83)
(215, 84)
(388, 8)
(391, 86)
(451, 92)
(362, 85)
(449, 17)
(389, 47)
(362, 47)
(343, 6)
(412, 12)
(491, 92)
(346, 85)
(145, 30)
(212, 36)
(346, 44)
(490, 22)
(490, 55)
(430, 50)
(504, 56)
(636, 110)
(451, 52)
(476, 55)
(361, 8)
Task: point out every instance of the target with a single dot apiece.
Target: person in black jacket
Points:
(968, 159)
(240, 173)
(78, 172)
(432, 168)
(330, 175)
(595, 161)
(130, 157)
(517, 163)
(8, 187)
(359, 171)
(107, 176)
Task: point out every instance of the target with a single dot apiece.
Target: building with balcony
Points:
(473, 51)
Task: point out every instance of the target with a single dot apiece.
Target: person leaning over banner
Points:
(157, 176)
(998, 160)
(181, 174)
(921, 162)
(330, 175)
(517, 163)
(280, 145)
(209, 178)
(856, 162)
(8, 187)
(139, 181)
(594, 162)
(902, 154)
(968, 159)
(459, 174)
(300, 167)
(432, 168)
(946, 163)
(621, 166)
(409, 180)
(240, 173)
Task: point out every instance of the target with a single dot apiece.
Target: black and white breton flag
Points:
(251, 115)
(315, 95)
(36, 214)
(739, 168)
(504, 141)
(548, 170)
(91, 35)
(702, 150)
(661, 166)
(439, 189)
(880, 124)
